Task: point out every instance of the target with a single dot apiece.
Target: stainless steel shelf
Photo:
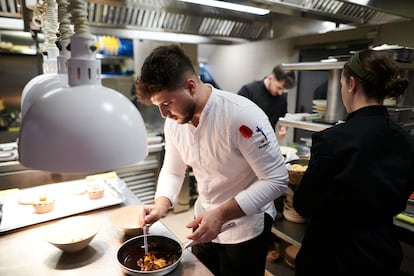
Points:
(303, 124)
(313, 65)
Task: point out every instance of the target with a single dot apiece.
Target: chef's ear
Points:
(190, 85)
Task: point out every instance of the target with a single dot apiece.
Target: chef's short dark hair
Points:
(164, 69)
(285, 75)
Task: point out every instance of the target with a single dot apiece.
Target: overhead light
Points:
(83, 127)
(229, 6)
(54, 72)
(166, 36)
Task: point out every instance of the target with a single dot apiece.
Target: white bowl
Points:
(126, 219)
(94, 189)
(73, 234)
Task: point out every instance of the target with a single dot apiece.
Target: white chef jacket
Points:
(233, 153)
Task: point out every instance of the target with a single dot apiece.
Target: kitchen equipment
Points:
(145, 234)
(17, 215)
(8, 152)
(162, 247)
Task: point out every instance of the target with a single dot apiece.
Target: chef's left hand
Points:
(207, 225)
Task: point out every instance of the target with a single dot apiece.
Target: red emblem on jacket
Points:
(245, 131)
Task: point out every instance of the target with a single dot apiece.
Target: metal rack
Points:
(335, 110)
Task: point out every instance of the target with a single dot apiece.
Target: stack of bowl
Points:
(319, 106)
(296, 170)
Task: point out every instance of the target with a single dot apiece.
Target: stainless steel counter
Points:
(26, 252)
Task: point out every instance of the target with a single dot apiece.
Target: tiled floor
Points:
(176, 223)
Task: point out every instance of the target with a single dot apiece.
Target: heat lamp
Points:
(84, 127)
(55, 54)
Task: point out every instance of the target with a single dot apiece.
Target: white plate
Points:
(286, 150)
(319, 102)
(319, 107)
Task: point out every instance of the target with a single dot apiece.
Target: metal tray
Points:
(67, 202)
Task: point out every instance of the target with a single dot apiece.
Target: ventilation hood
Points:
(287, 18)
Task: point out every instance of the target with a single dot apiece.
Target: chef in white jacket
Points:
(234, 154)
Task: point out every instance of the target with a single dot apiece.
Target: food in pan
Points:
(161, 247)
(149, 262)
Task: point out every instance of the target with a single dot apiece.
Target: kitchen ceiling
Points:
(287, 18)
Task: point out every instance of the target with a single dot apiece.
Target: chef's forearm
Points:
(163, 202)
(230, 210)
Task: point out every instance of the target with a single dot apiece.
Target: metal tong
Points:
(144, 232)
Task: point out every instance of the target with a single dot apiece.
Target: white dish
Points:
(319, 106)
(73, 234)
(286, 150)
(126, 219)
(319, 102)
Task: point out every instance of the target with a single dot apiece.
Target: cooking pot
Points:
(162, 247)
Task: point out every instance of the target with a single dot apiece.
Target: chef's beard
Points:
(188, 114)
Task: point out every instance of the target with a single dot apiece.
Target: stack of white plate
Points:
(319, 106)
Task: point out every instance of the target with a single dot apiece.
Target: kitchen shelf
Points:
(115, 57)
(335, 109)
(313, 66)
(290, 232)
(306, 125)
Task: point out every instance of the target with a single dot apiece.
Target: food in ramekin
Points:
(43, 204)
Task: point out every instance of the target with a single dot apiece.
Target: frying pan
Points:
(162, 247)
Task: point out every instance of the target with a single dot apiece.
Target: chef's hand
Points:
(152, 213)
(210, 224)
(281, 132)
(207, 225)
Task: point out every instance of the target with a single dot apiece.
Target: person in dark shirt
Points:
(269, 94)
(360, 175)
(320, 93)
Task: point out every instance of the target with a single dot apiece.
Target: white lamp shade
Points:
(40, 85)
(82, 129)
